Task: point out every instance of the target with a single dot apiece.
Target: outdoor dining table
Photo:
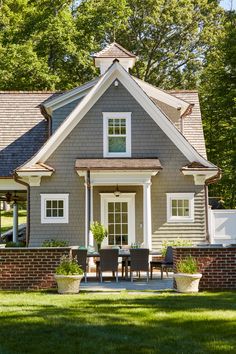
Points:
(125, 255)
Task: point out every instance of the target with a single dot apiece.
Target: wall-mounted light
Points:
(116, 83)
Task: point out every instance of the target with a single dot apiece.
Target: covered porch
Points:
(118, 194)
(14, 195)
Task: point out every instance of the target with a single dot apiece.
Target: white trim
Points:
(8, 184)
(200, 176)
(34, 173)
(124, 197)
(101, 178)
(68, 97)
(104, 63)
(54, 220)
(179, 196)
(116, 115)
(116, 71)
(163, 96)
(147, 215)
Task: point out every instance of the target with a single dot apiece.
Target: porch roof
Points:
(118, 164)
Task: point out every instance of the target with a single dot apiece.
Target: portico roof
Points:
(118, 164)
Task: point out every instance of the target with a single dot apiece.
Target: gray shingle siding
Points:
(86, 141)
(60, 114)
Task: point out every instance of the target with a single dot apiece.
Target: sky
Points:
(226, 4)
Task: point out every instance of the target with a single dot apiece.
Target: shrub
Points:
(55, 243)
(188, 265)
(68, 266)
(15, 244)
(175, 243)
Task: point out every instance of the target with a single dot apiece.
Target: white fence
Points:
(222, 226)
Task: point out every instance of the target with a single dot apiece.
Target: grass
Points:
(7, 219)
(44, 322)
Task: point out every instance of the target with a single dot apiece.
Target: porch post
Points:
(86, 212)
(91, 241)
(147, 217)
(15, 222)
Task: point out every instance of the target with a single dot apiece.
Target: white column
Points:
(15, 222)
(91, 240)
(147, 217)
(86, 213)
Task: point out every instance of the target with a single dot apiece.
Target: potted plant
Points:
(187, 277)
(68, 276)
(99, 232)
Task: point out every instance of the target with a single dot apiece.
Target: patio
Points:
(139, 284)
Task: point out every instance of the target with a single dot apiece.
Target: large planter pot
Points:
(68, 284)
(187, 283)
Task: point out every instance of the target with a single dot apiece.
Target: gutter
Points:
(28, 206)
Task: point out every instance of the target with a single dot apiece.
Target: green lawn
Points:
(118, 323)
(7, 219)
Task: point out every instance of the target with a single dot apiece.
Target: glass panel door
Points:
(117, 223)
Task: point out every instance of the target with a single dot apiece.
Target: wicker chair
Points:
(108, 262)
(82, 261)
(165, 264)
(139, 261)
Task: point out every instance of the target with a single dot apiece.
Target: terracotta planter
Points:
(187, 283)
(68, 284)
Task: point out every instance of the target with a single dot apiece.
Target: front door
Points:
(118, 216)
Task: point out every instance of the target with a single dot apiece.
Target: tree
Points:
(170, 38)
(218, 97)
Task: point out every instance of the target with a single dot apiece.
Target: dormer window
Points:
(117, 134)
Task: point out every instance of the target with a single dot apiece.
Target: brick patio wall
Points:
(217, 265)
(29, 268)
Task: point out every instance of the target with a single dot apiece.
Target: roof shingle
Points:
(23, 129)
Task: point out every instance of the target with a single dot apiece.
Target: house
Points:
(116, 149)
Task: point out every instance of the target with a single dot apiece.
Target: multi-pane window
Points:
(118, 223)
(54, 208)
(117, 134)
(180, 207)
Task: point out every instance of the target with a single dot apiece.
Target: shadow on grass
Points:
(88, 323)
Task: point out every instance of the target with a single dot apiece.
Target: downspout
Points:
(28, 206)
(208, 181)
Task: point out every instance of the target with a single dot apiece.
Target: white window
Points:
(117, 134)
(180, 207)
(54, 208)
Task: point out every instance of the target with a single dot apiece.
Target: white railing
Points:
(222, 226)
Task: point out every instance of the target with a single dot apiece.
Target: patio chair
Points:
(109, 262)
(139, 261)
(82, 261)
(165, 264)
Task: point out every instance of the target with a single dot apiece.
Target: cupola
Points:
(106, 57)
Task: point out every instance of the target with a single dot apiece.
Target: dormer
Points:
(105, 57)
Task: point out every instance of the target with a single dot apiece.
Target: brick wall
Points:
(217, 265)
(29, 268)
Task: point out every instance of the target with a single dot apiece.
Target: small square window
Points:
(180, 207)
(54, 208)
